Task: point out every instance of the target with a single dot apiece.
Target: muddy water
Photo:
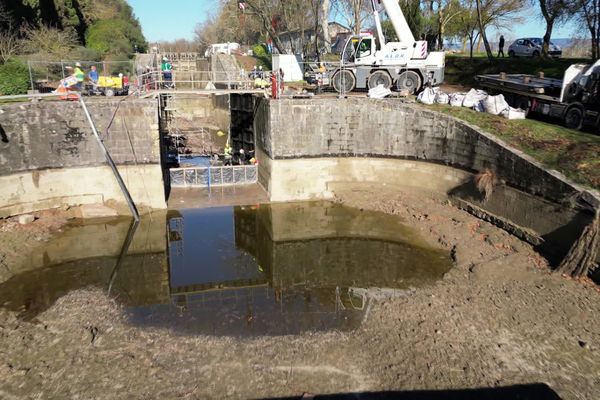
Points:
(256, 270)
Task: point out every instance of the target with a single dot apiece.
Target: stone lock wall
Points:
(359, 127)
(50, 158)
(307, 148)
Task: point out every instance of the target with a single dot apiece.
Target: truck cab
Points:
(360, 49)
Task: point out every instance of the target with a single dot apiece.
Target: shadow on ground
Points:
(537, 391)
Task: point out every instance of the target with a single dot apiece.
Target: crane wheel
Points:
(574, 117)
(410, 81)
(380, 78)
(344, 81)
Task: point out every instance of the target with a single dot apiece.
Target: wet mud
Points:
(497, 318)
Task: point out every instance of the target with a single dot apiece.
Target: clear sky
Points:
(176, 19)
(171, 19)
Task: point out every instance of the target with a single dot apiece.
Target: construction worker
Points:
(80, 75)
(228, 154)
(93, 76)
(242, 157)
(167, 71)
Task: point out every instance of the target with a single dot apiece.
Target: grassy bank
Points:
(462, 69)
(573, 153)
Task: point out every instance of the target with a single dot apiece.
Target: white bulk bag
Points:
(442, 98)
(514, 113)
(427, 96)
(473, 97)
(379, 92)
(495, 105)
(456, 99)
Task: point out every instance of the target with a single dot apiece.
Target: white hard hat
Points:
(165, 59)
(242, 151)
(78, 64)
(120, 75)
(260, 67)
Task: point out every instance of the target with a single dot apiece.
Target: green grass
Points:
(573, 153)
(462, 70)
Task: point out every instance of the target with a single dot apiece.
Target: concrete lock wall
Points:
(308, 148)
(50, 158)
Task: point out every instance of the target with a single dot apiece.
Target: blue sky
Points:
(171, 19)
(175, 19)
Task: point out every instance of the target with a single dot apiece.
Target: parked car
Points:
(532, 47)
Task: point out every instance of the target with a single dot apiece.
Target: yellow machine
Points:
(109, 86)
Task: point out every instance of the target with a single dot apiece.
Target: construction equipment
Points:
(109, 86)
(406, 65)
(575, 99)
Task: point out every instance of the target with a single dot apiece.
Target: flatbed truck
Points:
(575, 99)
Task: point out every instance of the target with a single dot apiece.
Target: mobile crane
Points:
(367, 61)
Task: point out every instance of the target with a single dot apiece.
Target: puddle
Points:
(243, 271)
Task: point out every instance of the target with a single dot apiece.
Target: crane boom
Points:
(392, 9)
(380, 35)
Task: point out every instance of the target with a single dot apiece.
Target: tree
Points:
(498, 13)
(553, 11)
(414, 17)
(115, 36)
(445, 11)
(324, 19)
(467, 25)
(14, 78)
(482, 27)
(48, 42)
(352, 12)
(268, 13)
(9, 45)
(588, 12)
(9, 42)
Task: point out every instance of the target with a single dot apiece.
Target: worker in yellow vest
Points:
(80, 75)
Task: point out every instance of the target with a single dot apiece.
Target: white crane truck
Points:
(404, 65)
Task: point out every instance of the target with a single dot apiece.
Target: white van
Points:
(222, 48)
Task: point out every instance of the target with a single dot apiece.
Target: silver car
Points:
(532, 47)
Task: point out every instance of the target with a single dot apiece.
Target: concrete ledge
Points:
(316, 178)
(37, 190)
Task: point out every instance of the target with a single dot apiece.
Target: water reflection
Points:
(278, 269)
(285, 268)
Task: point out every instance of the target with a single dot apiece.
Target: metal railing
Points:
(214, 176)
(156, 80)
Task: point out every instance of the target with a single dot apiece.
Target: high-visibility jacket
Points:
(79, 74)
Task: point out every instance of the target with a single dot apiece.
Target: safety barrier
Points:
(214, 176)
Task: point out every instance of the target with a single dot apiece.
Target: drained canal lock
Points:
(240, 271)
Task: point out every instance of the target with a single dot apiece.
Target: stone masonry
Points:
(57, 135)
